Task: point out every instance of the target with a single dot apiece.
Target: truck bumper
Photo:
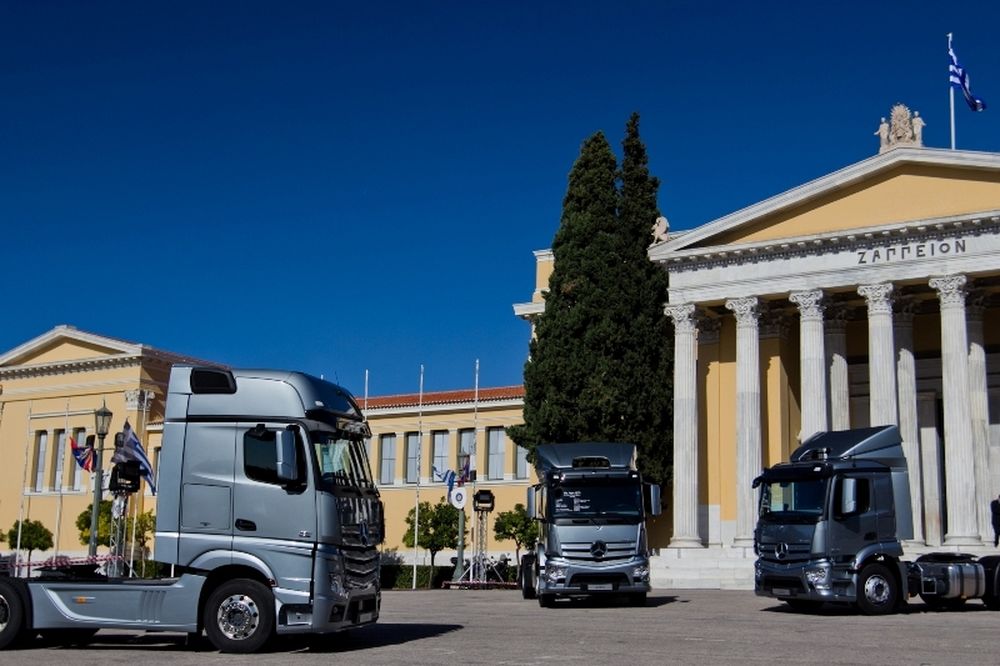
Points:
(328, 614)
(812, 580)
(565, 578)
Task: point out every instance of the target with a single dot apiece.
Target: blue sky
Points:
(334, 187)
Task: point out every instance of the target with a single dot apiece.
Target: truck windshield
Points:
(793, 500)
(342, 462)
(589, 499)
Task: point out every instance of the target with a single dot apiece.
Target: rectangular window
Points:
(41, 450)
(58, 459)
(440, 445)
(80, 437)
(412, 457)
(521, 466)
(495, 448)
(466, 451)
(387, 459)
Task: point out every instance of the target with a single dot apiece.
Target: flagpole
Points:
(24, 482)
(416, 502)
(951, 95)
(58, 476)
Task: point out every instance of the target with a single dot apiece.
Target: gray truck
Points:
(591, 504)
(266, 513)
(831, 524)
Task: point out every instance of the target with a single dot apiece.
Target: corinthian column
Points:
(881, 369)
(748, 454)
(685, 427)
(811, 361)
(906, 376)
(836, 362)
(960, 477)
(979, 409)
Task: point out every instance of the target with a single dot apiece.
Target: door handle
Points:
(245, 525)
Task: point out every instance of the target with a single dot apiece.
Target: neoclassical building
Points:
(863, 297)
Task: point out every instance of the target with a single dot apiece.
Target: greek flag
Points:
(447, 476)
(960, 80)
(131, 449)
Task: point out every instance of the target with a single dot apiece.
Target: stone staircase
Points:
(712, 568)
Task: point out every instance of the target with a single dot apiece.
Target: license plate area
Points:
(600, 587)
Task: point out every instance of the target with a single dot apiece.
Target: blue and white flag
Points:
(131, 449)
(448, 476)
(960, 80)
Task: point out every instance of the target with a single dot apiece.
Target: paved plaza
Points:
(498, 627)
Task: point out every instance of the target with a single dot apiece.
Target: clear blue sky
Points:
(334, 187)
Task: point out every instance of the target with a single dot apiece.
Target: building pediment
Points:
(65, 344)
(896, 187)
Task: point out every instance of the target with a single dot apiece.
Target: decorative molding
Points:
(811, 304)
(911, 233)
(878, 297)
(138, 399)
(78, 365)
(683, 317)
(745, 309)
(950, 289)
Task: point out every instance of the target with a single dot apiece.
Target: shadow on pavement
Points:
(376, 635)
(612, 601)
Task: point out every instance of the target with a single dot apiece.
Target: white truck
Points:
(266, 511)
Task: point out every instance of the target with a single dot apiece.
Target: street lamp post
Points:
(102, 417)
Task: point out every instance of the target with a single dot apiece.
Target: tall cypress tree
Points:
(598, 367)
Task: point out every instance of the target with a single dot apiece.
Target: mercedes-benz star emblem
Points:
(598, 549)
(781, 550)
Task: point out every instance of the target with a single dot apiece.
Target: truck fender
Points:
(877, 551)
(216, 559)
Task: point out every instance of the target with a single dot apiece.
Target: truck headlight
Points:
(336, 568)
(819, 578)
(640, 574)
(553, 572)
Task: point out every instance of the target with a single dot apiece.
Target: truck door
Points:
(852, 515)
(272, 519)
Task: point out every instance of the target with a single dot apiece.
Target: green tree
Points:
(34, 536)
(103, 524)
(518, 527)
(599, 366)
(438, 529)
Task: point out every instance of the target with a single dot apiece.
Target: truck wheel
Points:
(239, 616)
(12, 614)
(878, 592)
(527, 577)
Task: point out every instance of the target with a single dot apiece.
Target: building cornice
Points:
(76, 365)
(862, 238)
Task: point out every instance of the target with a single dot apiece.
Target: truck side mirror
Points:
(848, 496)
(531, 502)
(287, 461)
(652, 497)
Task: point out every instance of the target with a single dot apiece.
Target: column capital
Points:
(811, 304)
(977, 302)
(904, 310)
(878, 297)
(950, 289)
(745, 309)
(683, 316)
(773, 324)
(837, 315)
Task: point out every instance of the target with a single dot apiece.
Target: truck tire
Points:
(878, 591)
(239, 616)
(527, 575)
(12, 615)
